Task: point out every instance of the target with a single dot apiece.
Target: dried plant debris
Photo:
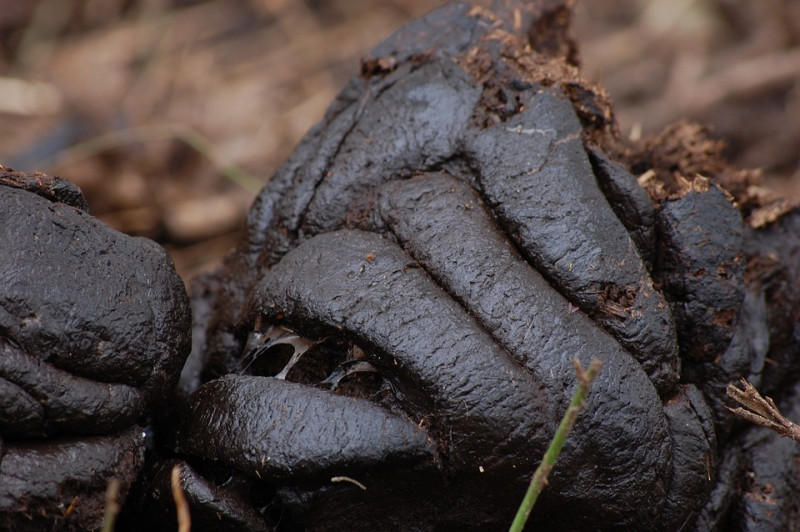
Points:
(761, 410)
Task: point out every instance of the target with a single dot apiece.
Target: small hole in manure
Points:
(271, 361)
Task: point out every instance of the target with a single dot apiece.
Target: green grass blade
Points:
(539, 480)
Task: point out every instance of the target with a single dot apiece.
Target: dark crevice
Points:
(519, 358)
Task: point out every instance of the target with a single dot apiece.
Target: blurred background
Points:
(170, 114)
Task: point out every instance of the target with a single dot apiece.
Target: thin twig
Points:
(539, 480)
(112, 506)
(350, 480)
(761, 410)
(181, 505)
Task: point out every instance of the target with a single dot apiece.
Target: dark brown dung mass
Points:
(390, 344)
